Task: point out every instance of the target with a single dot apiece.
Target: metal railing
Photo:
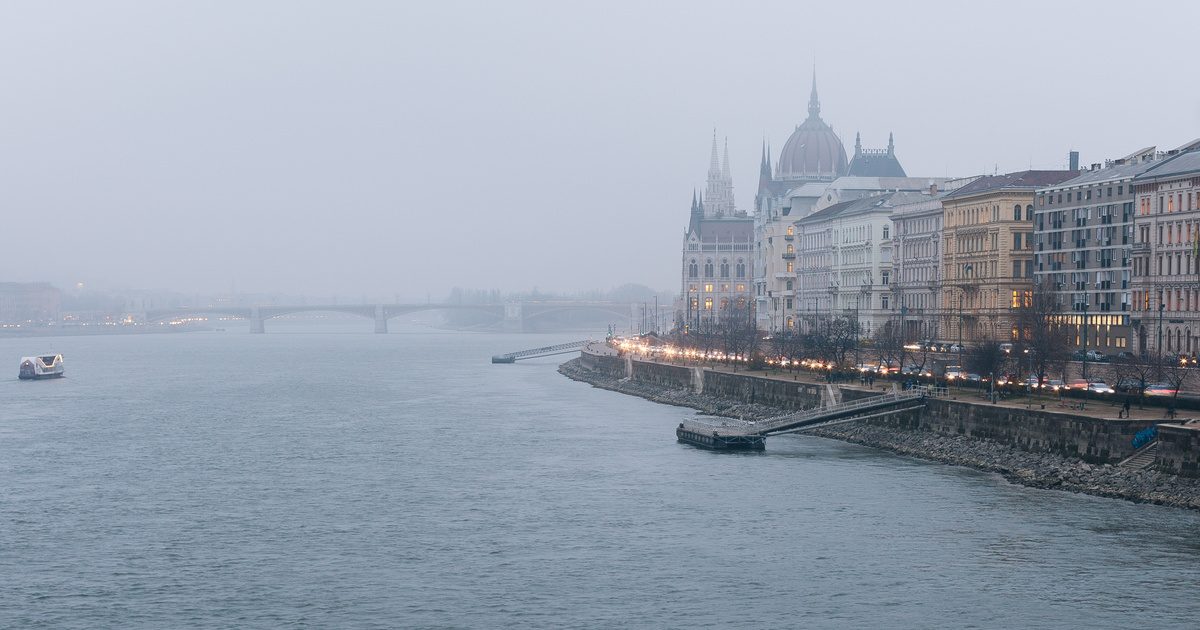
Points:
(562, 348)
(776, 424)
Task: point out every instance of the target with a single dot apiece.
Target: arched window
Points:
(708, 268)
(1017, 212)
(724, 267)
(790, 322)
(693, 269)
(741, 268)
(1029, 213)
(724, 304)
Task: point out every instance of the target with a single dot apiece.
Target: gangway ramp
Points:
(726, 434)
(533, 353)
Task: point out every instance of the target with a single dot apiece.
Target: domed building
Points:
(813, 151)
(813, 172)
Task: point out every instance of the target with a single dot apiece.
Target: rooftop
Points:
(1015, 181)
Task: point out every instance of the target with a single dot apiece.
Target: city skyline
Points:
(323, 151)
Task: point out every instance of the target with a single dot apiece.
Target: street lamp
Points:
(1029, 385)
(1158, 348)
(1085, 340)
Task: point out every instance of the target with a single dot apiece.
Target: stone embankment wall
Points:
(609, 365)
(1094, 440)
(956, 439)
(752, 389)
(1179, 449)
(662, 374)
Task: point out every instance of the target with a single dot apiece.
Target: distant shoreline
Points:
(89, 331)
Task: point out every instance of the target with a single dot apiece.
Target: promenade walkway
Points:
(1102, 409)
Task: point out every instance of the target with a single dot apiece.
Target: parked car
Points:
(1124, 355)
(1078, 384)
(1160, 389)
(1100, 387)
(1092, 355)
(974, 378)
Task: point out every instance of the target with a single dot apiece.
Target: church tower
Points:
(718, 192)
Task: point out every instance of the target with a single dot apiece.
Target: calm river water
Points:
(329, 477)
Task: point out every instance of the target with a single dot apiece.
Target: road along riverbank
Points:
(1028, 464)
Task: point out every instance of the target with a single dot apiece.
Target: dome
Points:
(813, 149)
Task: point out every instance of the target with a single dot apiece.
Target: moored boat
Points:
(45, 366)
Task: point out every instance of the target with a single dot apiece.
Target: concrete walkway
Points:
(1103, 409)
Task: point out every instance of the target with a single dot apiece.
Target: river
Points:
(323, 476)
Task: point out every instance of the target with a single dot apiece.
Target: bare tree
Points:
(836, 339)
(987, 357)
(1175, 374)
(1045, 340)
(1133, 374)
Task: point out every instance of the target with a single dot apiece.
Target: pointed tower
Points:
(857, 144)
(891, 145)
(813, 152)
(697, 214)
(718, 191)
(727, 198)
(814, 103)
(764, 168)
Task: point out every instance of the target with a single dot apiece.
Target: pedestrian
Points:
(1125, 409)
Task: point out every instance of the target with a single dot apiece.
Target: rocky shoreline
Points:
(1037, 470)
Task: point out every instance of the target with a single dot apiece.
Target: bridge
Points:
(728, 434)
(512, 316)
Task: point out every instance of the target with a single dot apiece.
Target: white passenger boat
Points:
(45, 366)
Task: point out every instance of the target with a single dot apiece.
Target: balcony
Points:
(1141, 248)
(788, 237)
(789, 255)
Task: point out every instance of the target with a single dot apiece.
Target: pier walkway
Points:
(533, 353)
(728, 434)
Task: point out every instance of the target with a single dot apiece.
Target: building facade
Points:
(715, 269)
(846, 263)
(1166, 255)
(917, 267)
(1083, 231)
(33, 302)
(987, 254)
(813, 155)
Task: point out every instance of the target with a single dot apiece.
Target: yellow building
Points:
(987, 264)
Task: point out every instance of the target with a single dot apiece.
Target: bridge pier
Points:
(256, 322)
(514, 320)
(380, 320)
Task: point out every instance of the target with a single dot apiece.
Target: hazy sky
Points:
(381, 148)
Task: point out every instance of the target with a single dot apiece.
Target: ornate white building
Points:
(846, 265)
(715, 268)
(813, 173)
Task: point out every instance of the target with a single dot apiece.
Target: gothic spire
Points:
(857, 144)
(714, 164)
(814, 104)
(764, 171)
(725, 163)
(891, 145)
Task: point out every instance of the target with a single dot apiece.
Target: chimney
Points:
(933, 188)
(1074, 161)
